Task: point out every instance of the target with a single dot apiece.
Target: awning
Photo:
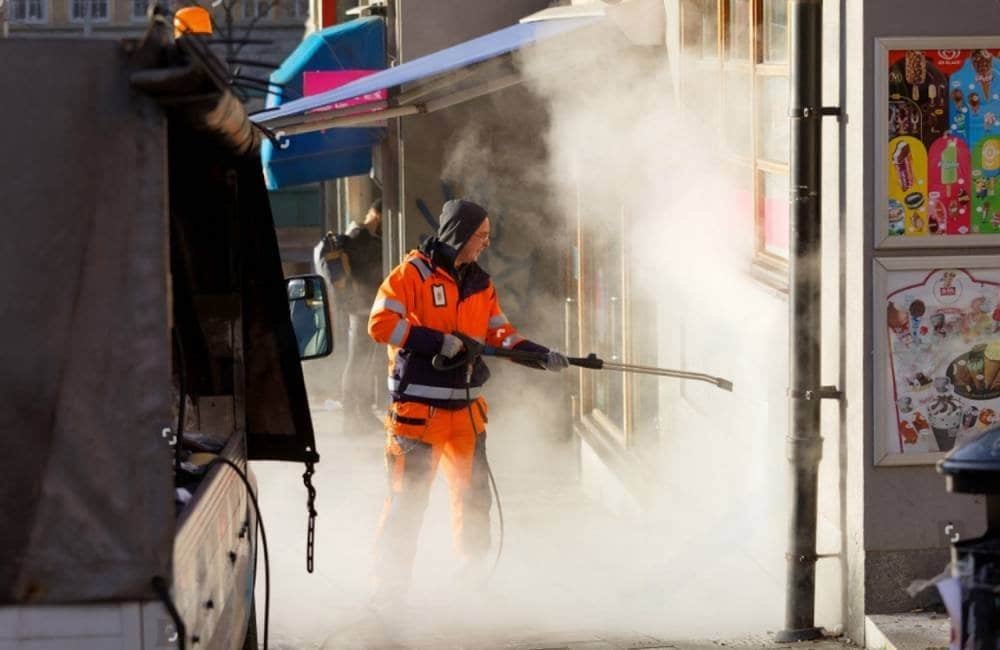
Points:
(357, 45)
(444, 78)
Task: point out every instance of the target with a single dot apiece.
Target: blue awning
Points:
(333, 153)
(292, 114)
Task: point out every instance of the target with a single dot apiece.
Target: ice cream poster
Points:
(943, 154)
(943, 332)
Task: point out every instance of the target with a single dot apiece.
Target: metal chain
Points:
(311, 507)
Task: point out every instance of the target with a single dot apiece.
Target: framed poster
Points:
(937, 142)
(937, 354)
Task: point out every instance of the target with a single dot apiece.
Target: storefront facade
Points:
(656, 232)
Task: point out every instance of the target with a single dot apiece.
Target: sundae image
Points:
(902, 160)
(945, 414)
(915, 71)
(958, 99)
(918, 382)
(982, 63)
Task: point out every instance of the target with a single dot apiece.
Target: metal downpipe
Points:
(804, 441)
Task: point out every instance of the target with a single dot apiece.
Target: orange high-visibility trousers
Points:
(420, 438)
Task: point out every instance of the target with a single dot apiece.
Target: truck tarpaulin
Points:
(87, 485)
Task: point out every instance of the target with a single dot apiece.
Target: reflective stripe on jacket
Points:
(413, 309)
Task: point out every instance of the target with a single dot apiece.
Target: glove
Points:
(555, 361)
(450, 346)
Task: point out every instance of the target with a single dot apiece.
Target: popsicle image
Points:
(915, 71)
(902, 160)
(949, 166)
(982, 63)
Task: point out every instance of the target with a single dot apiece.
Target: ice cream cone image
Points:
(990, 371)
(991, 363)
(982, 63)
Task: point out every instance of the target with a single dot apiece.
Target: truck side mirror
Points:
(307, 308)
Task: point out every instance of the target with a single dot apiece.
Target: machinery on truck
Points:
(143, 304)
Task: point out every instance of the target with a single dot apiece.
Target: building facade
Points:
(662, 205)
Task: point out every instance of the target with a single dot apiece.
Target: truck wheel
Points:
(250, 640)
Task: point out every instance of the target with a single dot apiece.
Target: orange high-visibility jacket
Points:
(416, 305)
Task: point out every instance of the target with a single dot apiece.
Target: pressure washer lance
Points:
(473, 348)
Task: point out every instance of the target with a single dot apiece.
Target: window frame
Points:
(256, 15)
(291, 10)
(27, 20)
(90, 19)
(767, 266)
(134, 17)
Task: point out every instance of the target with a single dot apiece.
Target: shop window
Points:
(88, 11)
(27, 11)
(612, 321)
(772, 118)
(603, 300)
(774, 31)
(701, 29)
(752, 36)
(772, 230)
(737, 32)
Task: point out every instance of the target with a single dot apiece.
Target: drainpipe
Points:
(805, 446)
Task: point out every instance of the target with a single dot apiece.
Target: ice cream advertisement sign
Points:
(943, 143)
(942, 330)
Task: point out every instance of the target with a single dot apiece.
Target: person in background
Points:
(439, 415)
(352, 265)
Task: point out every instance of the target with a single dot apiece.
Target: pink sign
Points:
(316, 82)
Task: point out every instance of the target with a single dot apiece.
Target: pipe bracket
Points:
(824, 392)
(810, 111)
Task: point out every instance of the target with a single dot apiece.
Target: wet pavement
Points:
(572, 574)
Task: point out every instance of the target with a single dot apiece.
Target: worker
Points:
(352, 265)
(439, 416)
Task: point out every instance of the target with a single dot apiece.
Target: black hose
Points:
(160, 587)
(489, 473)
(158, 583)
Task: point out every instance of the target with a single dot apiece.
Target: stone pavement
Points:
(910, 631)
(572, 575)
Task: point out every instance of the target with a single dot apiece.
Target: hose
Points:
(158, 583)
(263, 539)
(489, 473)
(160, 587)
